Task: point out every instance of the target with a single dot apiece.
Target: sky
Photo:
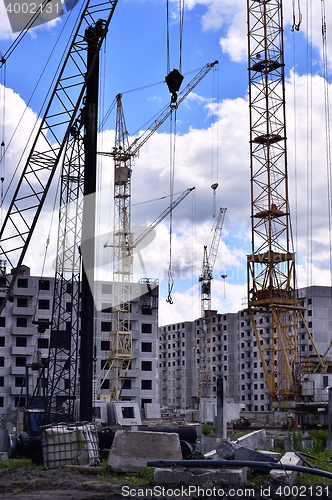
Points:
(211, 144)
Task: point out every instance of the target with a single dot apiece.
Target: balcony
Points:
(17, 370)
(23, 311)
(20, 351)
(21, 330)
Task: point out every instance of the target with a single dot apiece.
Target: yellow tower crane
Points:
(272, 298)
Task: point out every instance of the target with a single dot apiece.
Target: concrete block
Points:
(286, 477)
(152, 410)
(3, 455)
(199, 477)
(253, 440)
(226, 449)
(207, 410)
(132, 449)
(125, 413)
(273, 454)
(243, 453)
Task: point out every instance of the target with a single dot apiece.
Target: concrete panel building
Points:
(235, 354)
(22, 345)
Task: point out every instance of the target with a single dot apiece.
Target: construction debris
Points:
(284, 477)
(132, 449)
(200, 476)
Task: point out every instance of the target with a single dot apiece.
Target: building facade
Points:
(235, 355)
(21, 344)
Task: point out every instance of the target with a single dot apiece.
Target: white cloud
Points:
(230, 17)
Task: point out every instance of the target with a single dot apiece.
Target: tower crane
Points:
(209, 259)
(123, 154)
(271, 264)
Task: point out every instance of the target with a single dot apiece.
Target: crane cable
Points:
(181, 25)
(3, 136)
(309, 150)
(173, 135)
(296, 25)
(327, 127)
(171, 190)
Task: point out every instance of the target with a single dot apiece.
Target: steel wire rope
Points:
(181, 24)
(155, 199)
(214, 142)
(45, 99)
(295, 149)
(309, 146)
(3, 137)
(167, 37)
(193, 254)
(171, 190)
(296, 25)
(327, 128)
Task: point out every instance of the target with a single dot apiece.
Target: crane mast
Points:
(209, 259)
(271, 265)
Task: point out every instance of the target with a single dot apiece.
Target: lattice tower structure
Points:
(63, 353)
(121, 334)
(271, 264)
(209, 258)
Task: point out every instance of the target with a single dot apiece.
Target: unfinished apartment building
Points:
(235, 355)
(22, 345)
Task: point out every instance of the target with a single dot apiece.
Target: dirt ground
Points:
(38, 483)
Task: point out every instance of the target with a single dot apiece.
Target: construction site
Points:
(105, 366)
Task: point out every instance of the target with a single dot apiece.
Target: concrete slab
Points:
(243, 453)
(253, 440)
(199, 477)
(207, 410)
(152, 410)
(282, 477)
(132, 449)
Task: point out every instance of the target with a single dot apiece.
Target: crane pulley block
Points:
(174, 80)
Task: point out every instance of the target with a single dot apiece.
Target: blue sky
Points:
(212, 142)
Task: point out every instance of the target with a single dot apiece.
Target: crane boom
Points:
(162, 216)
(205, 382)
(50, 141)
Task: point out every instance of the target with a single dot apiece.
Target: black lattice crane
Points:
(272, 298)
(209, 259)
(59, 135)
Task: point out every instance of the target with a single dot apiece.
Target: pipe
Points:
(236, 463)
